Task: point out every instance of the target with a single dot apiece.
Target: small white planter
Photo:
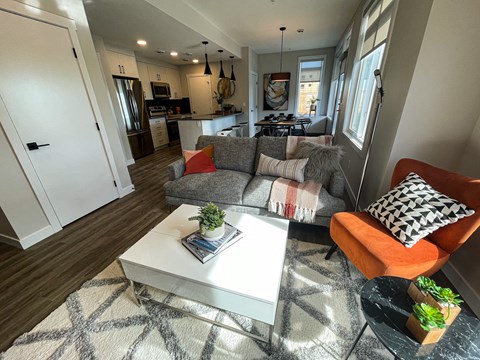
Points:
(217, 233)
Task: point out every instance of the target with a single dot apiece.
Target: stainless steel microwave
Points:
(161, 90)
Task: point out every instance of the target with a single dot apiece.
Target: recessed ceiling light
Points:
(195, 61)
(174, 53)
(300, 30)
(188, 54)
(160, 51)
(141, 42)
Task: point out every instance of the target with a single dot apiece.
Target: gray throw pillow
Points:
(323, 160)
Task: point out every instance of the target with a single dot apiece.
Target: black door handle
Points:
(34, 146)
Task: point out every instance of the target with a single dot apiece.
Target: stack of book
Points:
(205, 250)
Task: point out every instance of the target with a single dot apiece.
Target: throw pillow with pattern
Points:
(199, 161)
(288, 169)
(413, 210)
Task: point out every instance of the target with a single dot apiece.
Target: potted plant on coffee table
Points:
(426, 323)
(211, 222)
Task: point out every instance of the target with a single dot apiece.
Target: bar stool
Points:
(236, 131)
(243, 128)
(225, 132)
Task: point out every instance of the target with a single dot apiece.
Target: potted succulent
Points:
(426, 323)
(425, 290)
(210, 219)
(419, 289)
(447, 302)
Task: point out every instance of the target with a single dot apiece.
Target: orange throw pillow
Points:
(199, 161)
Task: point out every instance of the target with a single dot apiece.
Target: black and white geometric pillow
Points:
(413, 210)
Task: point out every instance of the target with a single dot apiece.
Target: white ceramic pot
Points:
(217, 233)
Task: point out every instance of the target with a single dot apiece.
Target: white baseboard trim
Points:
(37, 236)
(126, 190)
(466, 291)
(10, 241)
(130, 162)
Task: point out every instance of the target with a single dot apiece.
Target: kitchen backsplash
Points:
(180, 106)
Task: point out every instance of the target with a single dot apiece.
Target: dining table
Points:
(282, 127)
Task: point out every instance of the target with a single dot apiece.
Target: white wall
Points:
(442, 106)
(270, 63)
(469, 163)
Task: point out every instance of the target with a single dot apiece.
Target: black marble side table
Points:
(386, 307)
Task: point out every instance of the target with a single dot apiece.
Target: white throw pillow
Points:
(413, 210)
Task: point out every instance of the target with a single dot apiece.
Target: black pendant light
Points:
(207, 70)
(232, 77)
(222, 74)
(281, 76)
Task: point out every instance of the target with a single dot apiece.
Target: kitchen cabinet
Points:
(158, 128)
(157, 73)
(121, 64)
(145, 79)
(173, 78)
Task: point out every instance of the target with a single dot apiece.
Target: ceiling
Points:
(252, 23)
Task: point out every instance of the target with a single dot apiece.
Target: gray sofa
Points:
(235, 186)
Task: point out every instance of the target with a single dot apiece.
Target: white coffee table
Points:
(244, 279)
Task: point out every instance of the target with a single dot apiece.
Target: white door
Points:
(253, 103)
(200, 91)
(42, 88)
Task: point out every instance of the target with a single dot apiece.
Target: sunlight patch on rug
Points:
(318, 317)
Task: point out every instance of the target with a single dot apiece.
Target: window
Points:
(335, 103)
(372, 44)
(310, 80)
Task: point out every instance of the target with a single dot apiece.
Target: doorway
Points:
(50, 116)
(200, 91)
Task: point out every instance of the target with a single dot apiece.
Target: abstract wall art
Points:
(275, 93)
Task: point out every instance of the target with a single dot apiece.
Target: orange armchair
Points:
(374, 250)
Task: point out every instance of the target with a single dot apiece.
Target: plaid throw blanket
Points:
(292, 142)
(294, 200)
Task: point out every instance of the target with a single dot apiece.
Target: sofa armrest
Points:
(337, 184)
(176, 169)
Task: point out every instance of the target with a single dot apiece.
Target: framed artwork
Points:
(275, 93)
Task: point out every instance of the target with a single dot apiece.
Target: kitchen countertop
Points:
(193, 117)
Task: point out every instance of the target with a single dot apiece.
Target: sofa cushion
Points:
(375, 252)
(231, 153)
(223, 186)
(272, 146)
(257, 191)
(257, 194)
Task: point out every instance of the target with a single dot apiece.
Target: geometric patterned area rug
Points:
(318, 317)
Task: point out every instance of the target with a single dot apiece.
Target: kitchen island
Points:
(192, 126)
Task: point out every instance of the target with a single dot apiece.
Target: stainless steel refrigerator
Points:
(135, 115)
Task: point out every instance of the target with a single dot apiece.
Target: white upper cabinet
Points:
(121, 64)
(173, 78)
(145, 79)
(157, 73)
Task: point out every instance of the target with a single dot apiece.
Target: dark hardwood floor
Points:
(34, 282)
